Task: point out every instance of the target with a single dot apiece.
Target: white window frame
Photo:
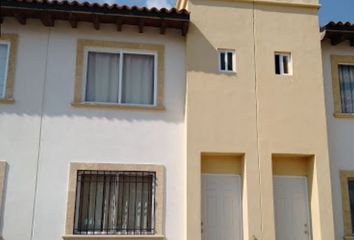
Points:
(226, 51)
(8, 43)
(120, 52)
(281, 60)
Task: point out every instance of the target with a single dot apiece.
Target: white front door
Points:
(221, 207)
(292, 220)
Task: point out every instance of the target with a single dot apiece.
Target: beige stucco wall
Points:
(255, 112)
(340, 133)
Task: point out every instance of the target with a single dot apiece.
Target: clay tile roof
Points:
(48, 11)
(338, 32)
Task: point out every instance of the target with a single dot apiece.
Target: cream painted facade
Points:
(255, 113)
(341, 138)
(42, 133)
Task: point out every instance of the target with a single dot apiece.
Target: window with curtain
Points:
(115, 203)
(351, 198)
(346, 83)
(4, 51)
(121, 78)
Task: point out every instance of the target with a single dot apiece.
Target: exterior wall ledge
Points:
(344, 115)
(116, 106)
(7, 101)
(113, 237)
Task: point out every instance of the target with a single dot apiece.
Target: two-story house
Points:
(92, 121)
(338, 68)
(202, 122)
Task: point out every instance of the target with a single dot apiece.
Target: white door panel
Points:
(291, 208)
(221, 211)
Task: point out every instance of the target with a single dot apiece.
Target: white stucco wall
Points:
(340, 134)
(46, 59)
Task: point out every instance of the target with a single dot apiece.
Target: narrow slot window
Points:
(283, 64)
(227, 61)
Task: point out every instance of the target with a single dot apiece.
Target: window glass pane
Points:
(102, 83)
(3, 68)
(138, 79)
(114, 202)
(346, 82)
(277, 64)
(222, 61)
(286, 64)
(351, 197)
(229, 61)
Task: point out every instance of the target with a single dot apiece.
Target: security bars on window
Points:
(115, 203)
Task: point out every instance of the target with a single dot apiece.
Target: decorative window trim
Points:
(83, 44)
(335, 61)
(12, 40)
(160, 182)
(344, 177)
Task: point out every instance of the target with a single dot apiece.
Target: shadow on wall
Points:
(206, 50)
(2, 201)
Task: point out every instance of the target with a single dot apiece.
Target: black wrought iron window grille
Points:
(115, 203)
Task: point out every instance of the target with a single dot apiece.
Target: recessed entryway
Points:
(222, 197)
(291, 182)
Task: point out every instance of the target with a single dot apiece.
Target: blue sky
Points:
(336, 10)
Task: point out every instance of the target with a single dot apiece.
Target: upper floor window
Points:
(343, 85)
(283, 64)
(119, 75)
(346, 83)
(227, 60)
(4, 62)
(8, 48)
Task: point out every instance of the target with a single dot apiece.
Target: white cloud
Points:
(159, 3)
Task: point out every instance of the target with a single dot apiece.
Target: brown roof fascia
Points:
(74, 12)
(338, 32)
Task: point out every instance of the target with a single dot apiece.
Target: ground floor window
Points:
(115, 199)
(347, 185)
(115, 202)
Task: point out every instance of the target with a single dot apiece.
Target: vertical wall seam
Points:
(40, 138)
(257, 115)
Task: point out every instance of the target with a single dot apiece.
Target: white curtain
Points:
(3, 63)
(114, 203)
(346, 79)
(102, 77)
(138, 79)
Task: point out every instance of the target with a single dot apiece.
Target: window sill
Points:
(343, 115)
(113, 237)
(7, 101)
(348, 237)
(116, 106)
